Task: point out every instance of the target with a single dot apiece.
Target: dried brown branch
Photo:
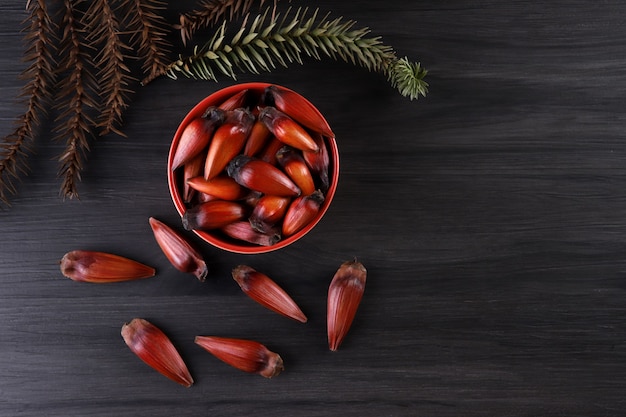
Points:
(210, 12)
(149, 35)
(113, 73)
(74, 99)
(40, 78)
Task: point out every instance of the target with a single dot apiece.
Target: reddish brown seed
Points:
(301, 212)
(246, 355)
(227, 141)
(178, 250)
(212, 215)
(260, 176)
(268, 153)
(235, 101)
(253, 198)
(196, 136)
(221, 187)
(153, 347)
(294, 165)
(298, 108)
(242, 230)
(101, 267)
(269, 210)
(205, 198)
(286, 129)
(344, 296)
(319, 161)
(266, 292)
(259, 135)
(191, 169)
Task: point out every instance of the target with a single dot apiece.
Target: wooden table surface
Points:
(490, 216)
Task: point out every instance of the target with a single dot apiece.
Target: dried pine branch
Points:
(268, 42)
(149, 34)
(74, 99)
(209, 13)
(113, 76)
(40, 52)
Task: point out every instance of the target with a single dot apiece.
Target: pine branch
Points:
(275, 41)
(40, 78)
(408, 78)
(149, 35)
(74, 99)
(113, 76)
(209, 13)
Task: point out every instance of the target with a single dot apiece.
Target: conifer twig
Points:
(113, 75)
(40, 52)
(74, 101)
(281, 41)
(149, 35)
(408, 78)
(209, 12)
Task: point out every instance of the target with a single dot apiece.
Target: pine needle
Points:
(74, 100)
(272, 41)
(40, 76)
(113, 75)
(209, 12)
(149, 34)
(408, 78)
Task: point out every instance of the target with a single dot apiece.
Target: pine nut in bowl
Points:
(252, 168)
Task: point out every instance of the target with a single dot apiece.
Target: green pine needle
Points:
(272, 41)
(408, 78)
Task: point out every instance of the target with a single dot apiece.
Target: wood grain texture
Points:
(490, 216)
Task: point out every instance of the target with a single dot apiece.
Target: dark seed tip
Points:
(214, 114)
(268, 95)
(275, 238)
(235, 165)
(186, 223)
(317, 196)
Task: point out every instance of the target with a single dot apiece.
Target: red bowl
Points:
(215, 238)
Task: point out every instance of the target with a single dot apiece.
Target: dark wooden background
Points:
(490, 216)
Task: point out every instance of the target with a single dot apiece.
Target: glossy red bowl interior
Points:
(216, 238)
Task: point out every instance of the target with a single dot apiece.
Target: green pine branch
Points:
(270, 41)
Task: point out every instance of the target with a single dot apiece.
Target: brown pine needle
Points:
(113, 76)
(149, 35)
(74, 100)
(40, 78)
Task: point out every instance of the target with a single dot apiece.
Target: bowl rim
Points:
(213, 99)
